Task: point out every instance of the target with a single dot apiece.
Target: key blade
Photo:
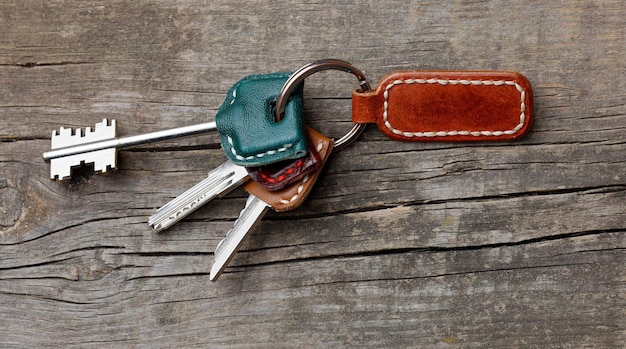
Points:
(249, 217)
(219, 182)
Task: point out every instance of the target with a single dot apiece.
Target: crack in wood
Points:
(442, 275)
(29, 295)
(31, 64)
(487, 198)
(179, 275)
(89, 248)
(10, 139)
(59, 230)
(40, 264)
(165, 254)
(435, 249)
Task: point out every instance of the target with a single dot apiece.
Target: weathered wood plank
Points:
(401, 244)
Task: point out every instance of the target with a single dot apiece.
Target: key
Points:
(219, 182)
(259, 202)
(244, 121)
(227, 177)
(248, 219)
(71, 148)
(404, 117)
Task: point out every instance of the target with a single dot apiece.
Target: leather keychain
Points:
(445, 106)
(248, 133)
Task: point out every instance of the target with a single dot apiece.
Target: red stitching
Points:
(283, 176)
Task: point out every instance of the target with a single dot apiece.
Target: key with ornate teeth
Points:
(228, 176)
(261, 199)
(247, 131)
(71, 148)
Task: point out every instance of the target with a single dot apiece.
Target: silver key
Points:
(71, 148)
(286, 199)
(249, 217)
(219, 182)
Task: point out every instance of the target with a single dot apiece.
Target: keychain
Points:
(269, 148)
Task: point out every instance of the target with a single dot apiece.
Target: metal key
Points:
(223, 179)
(73, 147)
(219, 182)
(258, 203)
(249, 218)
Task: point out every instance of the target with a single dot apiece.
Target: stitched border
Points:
(284, 148)
(445, 82)
(295, 197)
(319, 148)
(281, 178)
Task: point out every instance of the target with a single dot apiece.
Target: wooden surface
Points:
(429, 245)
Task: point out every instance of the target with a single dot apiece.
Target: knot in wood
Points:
(11, 201)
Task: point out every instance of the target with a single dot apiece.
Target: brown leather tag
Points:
(295, 194)
(279, 175)
(448, 106)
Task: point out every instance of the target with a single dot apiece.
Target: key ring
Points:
(325, 64)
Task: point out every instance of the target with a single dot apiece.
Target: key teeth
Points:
(67, 136)
(164, 223)
(219, 244)
(241, 214)
(218, 183)
(103, 161)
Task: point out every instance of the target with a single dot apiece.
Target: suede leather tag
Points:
(448, 106)
(245, 121)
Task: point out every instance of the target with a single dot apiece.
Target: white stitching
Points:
(319, 148)
(234, 96)
(260, 155)
(520, 89)
(300, 188)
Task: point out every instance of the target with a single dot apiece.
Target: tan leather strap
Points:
(448, 106)
(294, 195)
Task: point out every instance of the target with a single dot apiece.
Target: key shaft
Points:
(124, 142)
(249, 217)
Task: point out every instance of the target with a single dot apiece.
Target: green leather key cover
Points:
(245, 122)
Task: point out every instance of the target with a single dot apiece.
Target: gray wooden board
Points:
(438, 245)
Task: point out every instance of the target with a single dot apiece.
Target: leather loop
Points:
(448, 106)
(365, 107)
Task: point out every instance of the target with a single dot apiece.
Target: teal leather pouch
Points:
(245, 122)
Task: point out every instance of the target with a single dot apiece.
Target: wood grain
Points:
(437, 245)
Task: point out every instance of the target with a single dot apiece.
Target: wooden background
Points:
(430, 245)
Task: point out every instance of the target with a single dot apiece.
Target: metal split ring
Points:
(325, 64)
